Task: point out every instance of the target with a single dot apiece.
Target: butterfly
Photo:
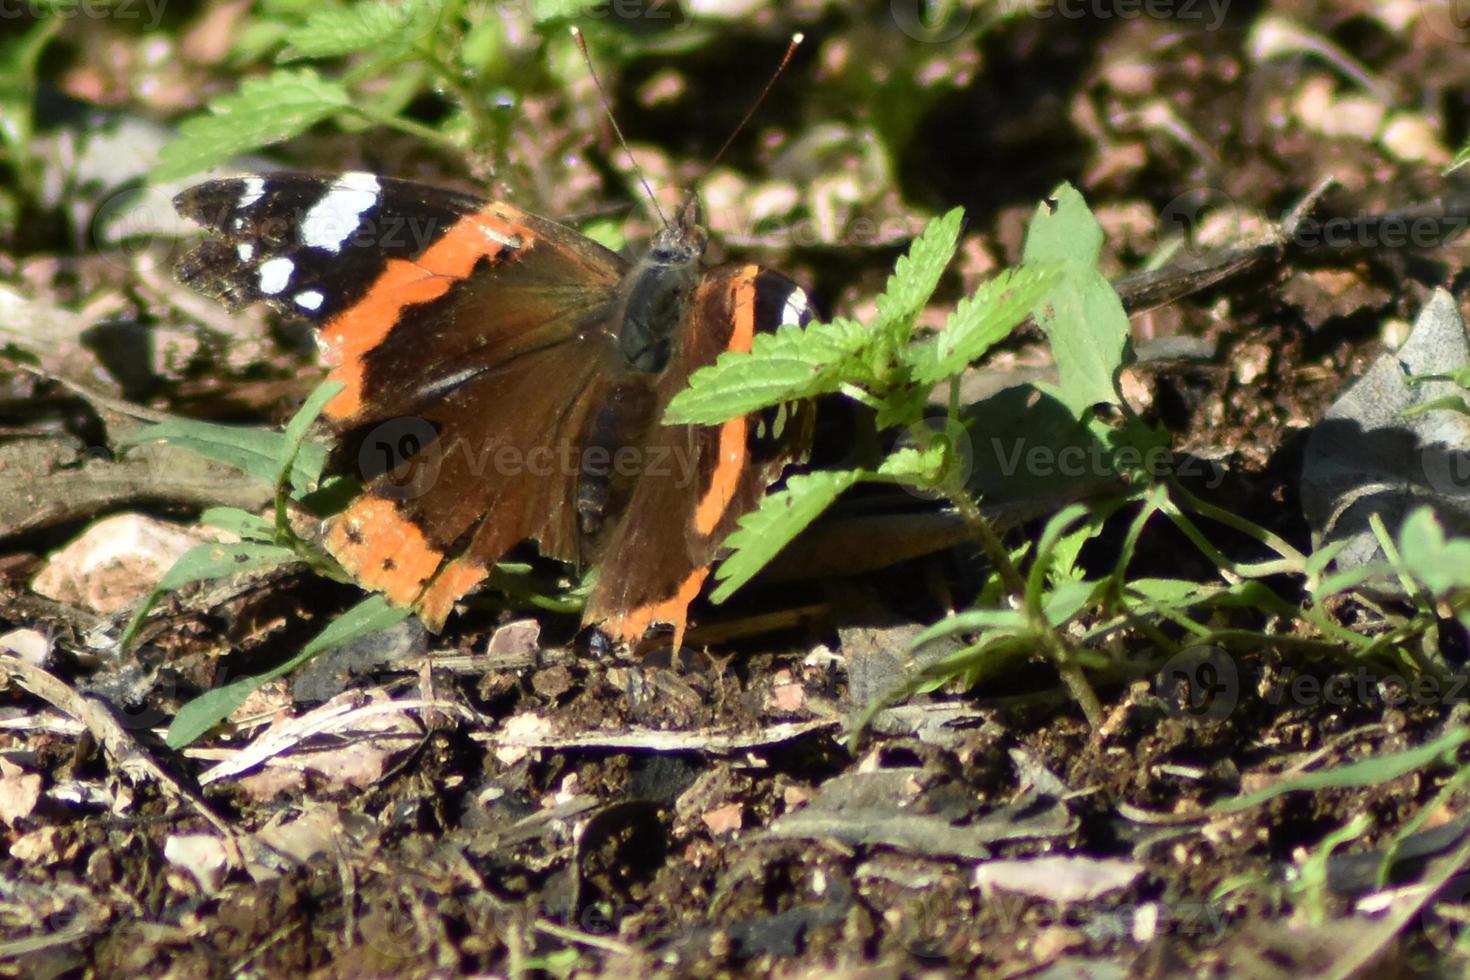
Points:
(504, 380)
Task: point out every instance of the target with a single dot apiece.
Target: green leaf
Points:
(208, 710)
(1056, 529)
(791, 364)
(1068, 599)
(211, 561)
(263, 111)
(246, 525)
(769, 528)
(1367, 772)
(1445, 403)
(203, 563)
(980, 320)
(916, 466)
(914, 280)
(380, 27)
(987, 621)
(1442, 564)
(1461, 158)
(256, 452)
(371, 615)
(292, 442)
(1082, 316)
(19, 56)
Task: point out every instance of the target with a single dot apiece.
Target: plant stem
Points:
(1053, 643)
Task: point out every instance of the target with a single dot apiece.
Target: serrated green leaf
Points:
(371, 615)
(1082, 316)
(379, 27)
(914, 465)
(792, 364)
(203, 563)
(255, 452)
(770, 527)
(256, 39)
(914, 280)
(264, 110)
(980, 320)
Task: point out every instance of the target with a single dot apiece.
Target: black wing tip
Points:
(213, 269)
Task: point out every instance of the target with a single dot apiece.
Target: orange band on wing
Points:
(631, 625)
(731, 452)
(357, 330)
(382, 549)
(457, 578)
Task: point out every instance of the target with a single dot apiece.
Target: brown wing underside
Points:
(659, 556)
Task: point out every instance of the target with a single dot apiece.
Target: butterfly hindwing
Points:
(699, 480)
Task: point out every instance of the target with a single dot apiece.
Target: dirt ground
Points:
(507, 798)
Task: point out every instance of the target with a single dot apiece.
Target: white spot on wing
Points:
(254, 191)
(334, 218)
(246, 251)
(309, 299)
(275, 274)
(797, 309)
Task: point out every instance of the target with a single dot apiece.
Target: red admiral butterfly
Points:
(505, 377)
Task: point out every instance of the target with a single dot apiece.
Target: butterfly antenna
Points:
(796, 40)
(617, 130)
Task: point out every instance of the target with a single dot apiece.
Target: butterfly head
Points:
(683, 240)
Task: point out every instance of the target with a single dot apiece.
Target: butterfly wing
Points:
(471, 339)
(698, 480)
